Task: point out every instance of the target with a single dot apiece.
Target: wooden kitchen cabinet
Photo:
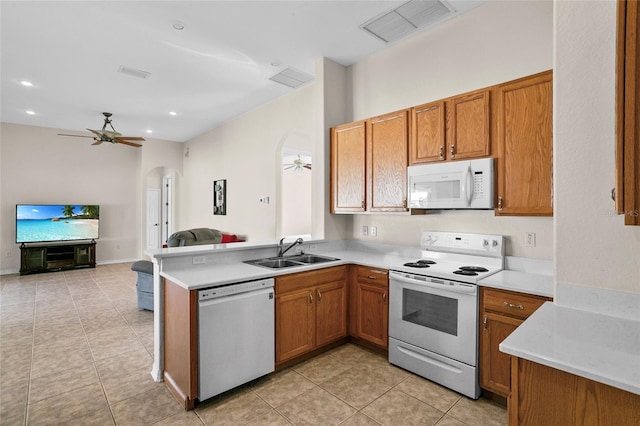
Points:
(543, 395)
(348, 177)
(369, 164)
(627, 187)
(387, 144)
(501, 312)
(451, 129)
(369, 307)
(524, 146)
(311, 311)
(181, 343)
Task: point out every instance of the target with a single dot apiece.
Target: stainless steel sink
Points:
(312, 258)
(287, 262)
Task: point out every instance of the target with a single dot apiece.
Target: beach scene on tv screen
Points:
(35, 223)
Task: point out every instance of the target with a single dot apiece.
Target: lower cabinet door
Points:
(331, 312)
(373, 317)
(495, 366)
(295, 324)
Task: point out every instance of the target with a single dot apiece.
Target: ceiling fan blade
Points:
(75, 136)
(95, 132)
(97, 142)
(131, 138)
(137, 145)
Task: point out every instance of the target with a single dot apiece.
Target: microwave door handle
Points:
(467, 188)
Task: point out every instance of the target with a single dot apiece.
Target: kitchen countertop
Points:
(523, 282)
(595, 346)
(219, 273)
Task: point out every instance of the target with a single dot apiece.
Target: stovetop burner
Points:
(465, 272)
(474, 268)
(422, 263)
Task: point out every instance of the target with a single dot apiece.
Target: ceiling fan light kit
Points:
(112, 136)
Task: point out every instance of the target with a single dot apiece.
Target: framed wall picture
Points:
(220, 197)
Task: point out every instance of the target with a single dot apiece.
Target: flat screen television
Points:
(38, 223)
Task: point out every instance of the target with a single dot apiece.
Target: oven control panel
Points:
(477, 244)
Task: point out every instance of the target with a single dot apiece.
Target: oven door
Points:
(441, 318)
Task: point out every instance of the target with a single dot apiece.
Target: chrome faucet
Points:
(282, 251)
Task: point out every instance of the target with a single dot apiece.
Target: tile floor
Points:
(74, 349)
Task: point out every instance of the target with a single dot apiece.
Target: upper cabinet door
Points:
(428, 129)
(348, 168)
(525, 175)
(387, 146)
(627, 189)
(469, 126)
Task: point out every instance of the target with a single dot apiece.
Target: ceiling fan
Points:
(297, 165)
(105, 135)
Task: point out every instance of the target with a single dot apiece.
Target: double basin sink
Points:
(290, 261)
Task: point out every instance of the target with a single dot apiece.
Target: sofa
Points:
(200, 236)
(190, 237)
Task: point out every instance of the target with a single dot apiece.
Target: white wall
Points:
(38, 166)
(244, 152)
(496, 42)
(593, 248)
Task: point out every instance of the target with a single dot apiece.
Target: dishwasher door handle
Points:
(235, 296)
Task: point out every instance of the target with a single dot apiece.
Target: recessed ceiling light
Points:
(26, 83)
(30, 112)
(178, 26)
(149, 131)
(173, 113)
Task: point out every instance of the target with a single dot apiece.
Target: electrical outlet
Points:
(374, 231)
(530, 239)
(264, 200)
(365, 230)
(199, 259)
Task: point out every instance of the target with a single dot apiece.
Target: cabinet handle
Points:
(511, 305)
(319, 296)
(452, 151)
(310, 297)
(500, 203)
(484, 322)
(371, 277)
(384, 296)
(441, 155)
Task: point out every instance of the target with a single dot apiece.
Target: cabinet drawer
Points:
(511, 303)
(372, 275)
(293, 282)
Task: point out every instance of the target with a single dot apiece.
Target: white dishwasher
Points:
(236, 335)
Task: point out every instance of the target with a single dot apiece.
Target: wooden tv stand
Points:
(56, 257)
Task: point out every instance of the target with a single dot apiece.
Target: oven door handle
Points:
(452, 287)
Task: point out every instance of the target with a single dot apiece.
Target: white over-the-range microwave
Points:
(452, 185)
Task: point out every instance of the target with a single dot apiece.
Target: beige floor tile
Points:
(50, 385)
(55, 359)
(481, 412)
(359, 419)
(16, 332)
(146, 408)
(316, 406)
(357, 387)
(270, 418)
(380, 368)
(321, 368)
(426, 391)
(82, 407)
(447, 420)
(398, 408)
(185, 418)
(15, 361)
(233, 408)
(49, 333)
(13, 402)
(113, 342)
(282, 387)
(124, 385)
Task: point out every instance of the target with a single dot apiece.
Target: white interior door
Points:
(153, 219)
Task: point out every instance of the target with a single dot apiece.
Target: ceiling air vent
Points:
(134, 72)
(292, 77)
(403, 20)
